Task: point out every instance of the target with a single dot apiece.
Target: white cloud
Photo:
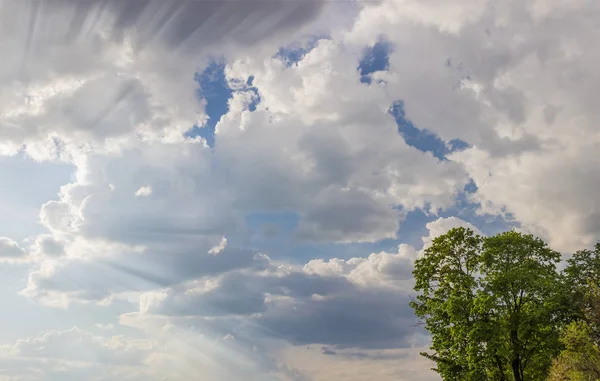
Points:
(442, 226)
(10, 250)
(46, 245)
(75, 354)
(219, 248)
(378, 269)
(144, 191)
(105, 326)
(515, 80)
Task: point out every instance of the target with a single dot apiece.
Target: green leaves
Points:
(581, 358)
(490, 305)
(446, 279)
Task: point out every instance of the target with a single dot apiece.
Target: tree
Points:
(490, 305)
(583, 277)
(580, 360)
(446, 278)
(525, 293)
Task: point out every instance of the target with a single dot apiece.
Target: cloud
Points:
(127, 270)
(523, 107)
(442, 226)
(314, 158)
(144, 191)
(80, 346)
(105, 326)
(361, 302)
(387, 365)
(97, 74)
(46, 245)
(337, 161)
(378, 269)
(10, 250)
(219, 248)
(74, 354)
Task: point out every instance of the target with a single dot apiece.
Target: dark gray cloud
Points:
(364, 319)
(244, 294)
(179, 25)
(354, 214)
(302, 309)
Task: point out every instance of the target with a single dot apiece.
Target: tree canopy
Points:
(497, 308)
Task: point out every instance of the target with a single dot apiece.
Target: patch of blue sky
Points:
(216, 92)
(413, 227)
(422, 139)
(375, 58)
(256, 95)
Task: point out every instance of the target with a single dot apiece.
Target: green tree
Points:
(490, 305)
(446, 278)
(580, 360)
(525, 293)
(583, 277)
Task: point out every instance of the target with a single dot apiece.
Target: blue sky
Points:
(242, 189)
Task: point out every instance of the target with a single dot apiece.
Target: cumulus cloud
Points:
(47, 245)
(514, 81)
(91, 75)
(336, 160)
(10, 250)
(377, 269)
(360, 302)
(442, 226)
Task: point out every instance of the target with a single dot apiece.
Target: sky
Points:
(221, 190)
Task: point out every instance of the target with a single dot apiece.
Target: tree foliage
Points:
(583, 277)
(494, 306)
(580, 360)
